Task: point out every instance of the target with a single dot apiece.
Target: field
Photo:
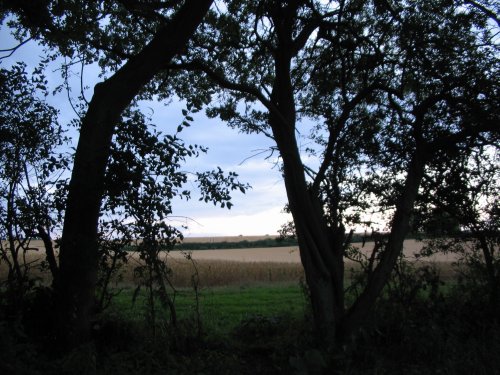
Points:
(229, 267)
(291, 253)
(221, 308)
(250, 315)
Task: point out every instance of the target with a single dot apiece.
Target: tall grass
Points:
(214, 272)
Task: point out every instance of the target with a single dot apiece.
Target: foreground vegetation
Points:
(381, 114)
(421, 325)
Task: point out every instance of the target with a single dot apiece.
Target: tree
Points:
(384, 88)
(144, 174)
(388, 91)
(467, 191)
(29, 168)
(136, 43)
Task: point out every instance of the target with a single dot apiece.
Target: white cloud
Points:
(229, 224)
(257, 212)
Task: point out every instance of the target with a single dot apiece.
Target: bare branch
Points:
(269, 150)
(488, 12)
(10, 51)
(82, 90)
(224, 82)
(334, 134)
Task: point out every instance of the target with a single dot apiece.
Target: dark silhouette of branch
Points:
(10, 51)
(226, 83)
(491, 14)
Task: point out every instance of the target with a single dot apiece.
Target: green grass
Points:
(265, 329)
(223, 308)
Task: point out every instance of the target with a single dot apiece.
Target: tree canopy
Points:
(383, 97)
(381, 93)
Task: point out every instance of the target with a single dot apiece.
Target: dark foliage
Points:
(419, 326)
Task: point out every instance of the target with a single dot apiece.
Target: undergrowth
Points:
(419, 326)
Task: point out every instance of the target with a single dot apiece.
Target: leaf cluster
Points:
(371, 81)
(31, 170)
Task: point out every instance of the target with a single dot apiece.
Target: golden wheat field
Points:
(229, 266)
(287, 253)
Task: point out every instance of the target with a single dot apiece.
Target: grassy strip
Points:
(221, 309)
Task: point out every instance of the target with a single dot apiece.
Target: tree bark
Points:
(321, 246)
(49, 253)
(322, 260)
(78, 256)
(400, 227)
(323, 267)
(491, 274)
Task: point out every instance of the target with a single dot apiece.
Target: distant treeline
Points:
(276, 242)
(268, 242)
(245, 244)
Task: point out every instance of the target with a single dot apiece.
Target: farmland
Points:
(250, 309)
(237, 266)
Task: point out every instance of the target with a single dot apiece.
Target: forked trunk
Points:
(321, 247)
(321, 258)
(358, 313)
(320, 252)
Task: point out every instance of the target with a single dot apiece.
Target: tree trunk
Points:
(491, 274)
(323, 265)
(49, 253)
(78, 256)
(321, 247)
(400, 227)
(322, 260)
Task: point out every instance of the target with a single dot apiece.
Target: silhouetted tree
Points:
(30, 166)
(381, 87)
(381, 93)
(135, 41)
(466, 190)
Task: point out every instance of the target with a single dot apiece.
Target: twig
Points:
(13, 49)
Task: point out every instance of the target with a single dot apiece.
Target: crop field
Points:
(259, 265)
(232, 267)
(291, 253)
(250, 305)
(217, 272)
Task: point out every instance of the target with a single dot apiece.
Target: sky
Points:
(258, 212)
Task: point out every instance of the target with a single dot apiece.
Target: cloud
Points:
(256, 212)
(231, 224)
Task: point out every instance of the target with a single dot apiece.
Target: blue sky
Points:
(257, 212)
